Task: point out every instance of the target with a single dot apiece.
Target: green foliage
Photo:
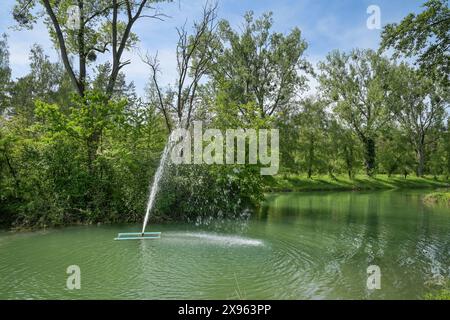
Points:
(425, 36)
(441, 295)
(446, 147)
(52, 177)
(419, 106)
(79, 147)
(395, 154)
(5, 73)
(95, 23)
(309, 136)
(46, 81)
(356, 84)
(438, 198)
(259, 66)
(202, 192)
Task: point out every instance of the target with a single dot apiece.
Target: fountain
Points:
(155, 184)
(151, 198)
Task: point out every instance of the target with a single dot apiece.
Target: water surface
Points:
(300, 246)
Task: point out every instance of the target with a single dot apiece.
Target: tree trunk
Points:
(13, 173)
(369, 156)
(81, 52)
(392, 169)
(349, 160)
(448, 151)
(310, 156)
(330, 173)
(421, 160)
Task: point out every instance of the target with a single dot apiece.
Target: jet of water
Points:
(155, 185)
(160, 171)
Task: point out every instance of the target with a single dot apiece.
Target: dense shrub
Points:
(201, 192)
(53, 179)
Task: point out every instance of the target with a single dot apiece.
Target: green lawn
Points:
(286, 183)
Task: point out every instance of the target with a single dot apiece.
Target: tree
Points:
(437, 155)
(425, 36)
(446, 141)
(286, 124)
(311, 125)
(99, 29)
(419, 106)
(46, 81)
(259, 66)
(348, 149)
(5, 73)
(395, 154)
(121, 88)
(193, 53)
(356, 86)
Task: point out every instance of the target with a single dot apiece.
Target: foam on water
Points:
(219, 239)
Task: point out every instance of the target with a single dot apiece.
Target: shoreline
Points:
(294, 184)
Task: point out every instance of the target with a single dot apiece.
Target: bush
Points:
(438, 198)
(201, 192)
(88, 164)
(440, 295)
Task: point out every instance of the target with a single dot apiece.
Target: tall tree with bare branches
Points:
(194, 52)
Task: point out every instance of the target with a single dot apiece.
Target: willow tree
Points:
(258, 66)
(355, 84)
(419, 106)
(311, 124)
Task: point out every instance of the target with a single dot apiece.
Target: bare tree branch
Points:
(193, 56)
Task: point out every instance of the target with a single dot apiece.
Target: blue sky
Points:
(325, 24)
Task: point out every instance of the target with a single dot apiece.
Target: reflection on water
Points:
(299, 246)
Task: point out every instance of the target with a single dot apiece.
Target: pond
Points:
(299, 246)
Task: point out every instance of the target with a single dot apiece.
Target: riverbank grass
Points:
(297, 183)
(443, 294)
(438, 198)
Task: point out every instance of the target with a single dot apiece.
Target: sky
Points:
(325, 24)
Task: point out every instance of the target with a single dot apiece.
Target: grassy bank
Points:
(286, 183)
(438, 198)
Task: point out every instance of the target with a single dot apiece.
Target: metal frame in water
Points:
(138, 236)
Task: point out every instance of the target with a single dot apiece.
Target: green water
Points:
(300, 246)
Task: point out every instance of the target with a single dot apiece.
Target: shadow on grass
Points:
(378, 182)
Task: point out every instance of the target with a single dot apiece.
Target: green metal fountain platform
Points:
(138, 236)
